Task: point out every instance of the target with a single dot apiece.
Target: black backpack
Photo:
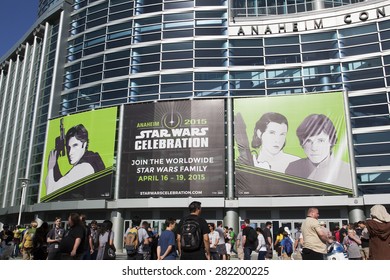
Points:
(252, 236)
(191, 235)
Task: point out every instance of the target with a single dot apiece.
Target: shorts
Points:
(221, 249)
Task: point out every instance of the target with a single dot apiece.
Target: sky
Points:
(16, 18)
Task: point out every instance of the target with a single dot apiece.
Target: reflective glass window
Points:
(328, 45)
(210, 3)
(178, 46)
(368, 48)
(89, 91)
(115, 85)
(361, 29)
(366, 161)
(282, 59)
(384, 24)
(92, 61)
(176, 87)
(177, 64)
(364, 74)
(372, 149)
(282, 50)
(353, 41)
(373, 137)
(114, 94)
(285, 40)
(379, 177)
(368, 99)
(177, 55)
(91, 78)
(92, 70)
(178, 17)
(125, 6)
(178, 34)
(369, 110)
(370, 121)
(117, 55)
(366, 84)
(169, 5)
(318, 36)
(320, 55)
(176, 77)
(116, 72)
(97, 22)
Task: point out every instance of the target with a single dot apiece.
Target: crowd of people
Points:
(193, 238)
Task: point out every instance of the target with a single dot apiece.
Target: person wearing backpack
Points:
(193, 235)
(135, 239)
(286, 246)
(249, 240)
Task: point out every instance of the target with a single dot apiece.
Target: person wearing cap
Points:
(314, 238)
(379, 230)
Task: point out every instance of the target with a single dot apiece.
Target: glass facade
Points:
(125, 51)
(259, 8)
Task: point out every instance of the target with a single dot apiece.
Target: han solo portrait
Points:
(83, 161)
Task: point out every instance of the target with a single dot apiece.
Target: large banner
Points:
(291, 145)
(173, 149)
(79, 156)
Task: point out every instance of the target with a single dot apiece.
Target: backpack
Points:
(131, 241)
(191, 236)
(252, 235)
(288, 246)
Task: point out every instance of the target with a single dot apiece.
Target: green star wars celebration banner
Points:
(291, 145)
(79, 156)
(173, 149)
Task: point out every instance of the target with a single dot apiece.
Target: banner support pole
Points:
(119, 153)
(350, 144)
(230, 158)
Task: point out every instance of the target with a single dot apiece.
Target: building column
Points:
(117, 227)
(231, 219)
(356, 213)
(318, 5)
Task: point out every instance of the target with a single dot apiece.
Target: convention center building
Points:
(258, 109)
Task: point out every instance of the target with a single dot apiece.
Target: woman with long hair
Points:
(106, 236)
(269, 139)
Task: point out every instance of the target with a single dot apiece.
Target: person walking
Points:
(199, 247)
(314, 238)
(106, 238)
(249, 240)
(262, 245)
(379, 231)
